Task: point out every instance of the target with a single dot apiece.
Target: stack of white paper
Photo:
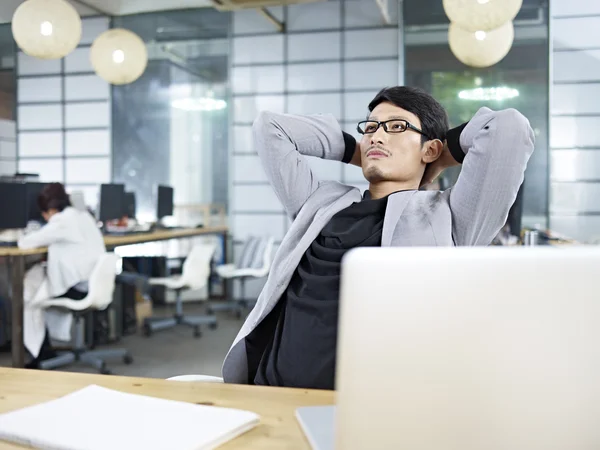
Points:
(96, 418)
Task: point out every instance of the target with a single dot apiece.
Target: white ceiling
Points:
(112, 7)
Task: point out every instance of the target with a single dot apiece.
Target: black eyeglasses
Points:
(389, 126)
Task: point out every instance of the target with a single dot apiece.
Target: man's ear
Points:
(432, 150)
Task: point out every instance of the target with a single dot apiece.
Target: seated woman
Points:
(74, 246)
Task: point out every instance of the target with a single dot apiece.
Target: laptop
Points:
(466, 349)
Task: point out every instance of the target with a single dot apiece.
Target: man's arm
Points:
(49, 234)
(496, 147)
(281, 140)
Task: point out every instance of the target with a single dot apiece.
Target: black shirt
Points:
(302, 350)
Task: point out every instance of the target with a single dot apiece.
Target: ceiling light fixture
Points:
(487, 94)
(199, 104)
(119, 56)
(46, 29)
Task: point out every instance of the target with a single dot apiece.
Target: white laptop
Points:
(467, 349)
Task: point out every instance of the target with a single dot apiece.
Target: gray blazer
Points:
(497, 147)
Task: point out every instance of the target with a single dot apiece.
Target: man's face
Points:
(392, 156)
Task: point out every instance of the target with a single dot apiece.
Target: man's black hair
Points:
(53, 196)
(433, 116)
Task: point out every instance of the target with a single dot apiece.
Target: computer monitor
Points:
(164, 206)
(13, 205)
(33, 192)
(129, 205)
(111, 203)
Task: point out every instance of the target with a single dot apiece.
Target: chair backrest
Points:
(78, 200)
(101, 285)
(196, 268)
(257, 254)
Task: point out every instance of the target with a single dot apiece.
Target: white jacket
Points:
(74, 245)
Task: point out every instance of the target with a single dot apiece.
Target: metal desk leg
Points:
(225, 257)
(17, 271)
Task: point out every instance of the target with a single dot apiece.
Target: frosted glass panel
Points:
(245, 225)
(88, 142)
(255, 198)
(28, 65)
(313, 16)
(324, 169)
(92, 28)
(371, 43)
(88, 170)
(8, 167)
(569, 132)
(247, 108)
(257, 79)
(242, 139)
(248, 168)
(314, 46)
(40, 89)
(259, 49)
(49, 170)
(82, 115)
(41, 144)
(378, 75)
(315, 104)
(86, 87)
(576, 98)
(576, 66)
(8, 149)
(314, 77)
(575, 165)
(360, 13)
(78, 61)
(357, 105)
(40, 117)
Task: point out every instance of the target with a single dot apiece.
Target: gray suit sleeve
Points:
(497, 146)
(282, 141)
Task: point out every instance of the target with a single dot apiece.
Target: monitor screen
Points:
(33, 210)
(13, 204)
(112, 198)
(165, 202)
(129, 205)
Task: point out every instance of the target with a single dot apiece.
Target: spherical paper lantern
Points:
(481, 48)
(46, 29)
(481, 15)
(119, 56)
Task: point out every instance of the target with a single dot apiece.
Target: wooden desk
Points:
(278, 428)
(16, 263)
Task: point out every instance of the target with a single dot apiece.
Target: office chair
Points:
(99, 297)
(254, 262)
(195, 275)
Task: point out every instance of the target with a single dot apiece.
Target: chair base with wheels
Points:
(237, 307)
(81, 354)
(152, 324)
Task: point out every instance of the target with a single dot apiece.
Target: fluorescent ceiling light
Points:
(199, 104)
(489, 93)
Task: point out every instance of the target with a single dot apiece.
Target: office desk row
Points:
(16, 263)
(278, 428)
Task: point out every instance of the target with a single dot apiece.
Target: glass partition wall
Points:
(170, 126)
(519, 81)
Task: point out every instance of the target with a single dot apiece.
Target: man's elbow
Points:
(264, 121)
(517, 125)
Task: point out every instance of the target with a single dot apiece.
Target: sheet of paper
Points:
(97, 418)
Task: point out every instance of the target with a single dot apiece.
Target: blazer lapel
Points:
(395, 207)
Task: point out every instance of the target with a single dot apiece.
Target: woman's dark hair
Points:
(433, 117)
(53, 196)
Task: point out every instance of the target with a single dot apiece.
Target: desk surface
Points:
(278, 427)
(129, 239)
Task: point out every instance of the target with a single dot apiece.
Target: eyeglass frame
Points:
(383, 124)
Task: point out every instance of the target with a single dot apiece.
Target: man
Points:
(74, 246)
(289, 338)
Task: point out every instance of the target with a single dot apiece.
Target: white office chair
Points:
(197, 378)
(254, 262)
(195, 275)
(100, 295)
